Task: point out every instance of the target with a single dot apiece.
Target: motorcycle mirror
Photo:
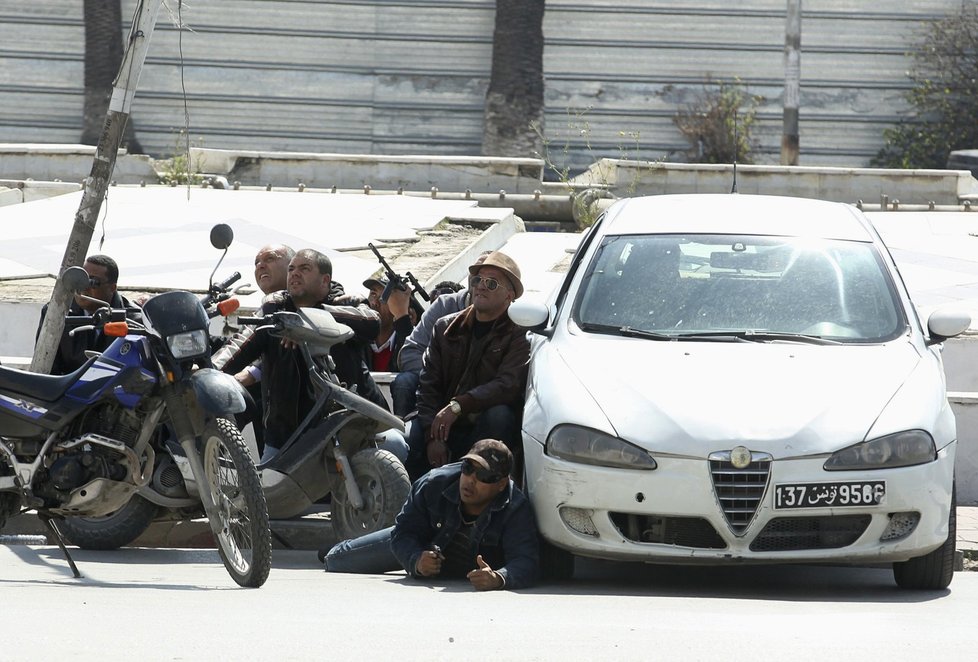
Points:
(221, 236)
(75, 279)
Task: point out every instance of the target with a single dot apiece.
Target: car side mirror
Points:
(531, 314)
(946, 323)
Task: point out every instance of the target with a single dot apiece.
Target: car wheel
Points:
(934, 571)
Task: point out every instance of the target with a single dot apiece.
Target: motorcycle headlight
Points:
(577, 444)
(902, 449)
(189, 344)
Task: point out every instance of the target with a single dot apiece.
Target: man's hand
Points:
(429, 563)
(245, 378)
(485, 578)
(442, 425)
(437, 452)
(399, 301)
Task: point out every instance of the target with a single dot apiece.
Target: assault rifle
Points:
(394, 280)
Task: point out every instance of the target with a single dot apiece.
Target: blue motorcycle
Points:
(86, 444)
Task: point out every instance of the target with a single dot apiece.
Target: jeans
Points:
(404, 392)
(369, 554)
(393, 441)
(498, 422)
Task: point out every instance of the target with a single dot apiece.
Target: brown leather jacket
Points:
(496, 376)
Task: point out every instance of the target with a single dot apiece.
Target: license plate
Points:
(830, 495)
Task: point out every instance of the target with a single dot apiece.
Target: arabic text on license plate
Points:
(830, 495)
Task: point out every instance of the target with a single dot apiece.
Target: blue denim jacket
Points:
(505, 533)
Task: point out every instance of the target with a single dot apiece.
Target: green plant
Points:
(718, 122)
(943, 96)
(586, 194)
(180, 168)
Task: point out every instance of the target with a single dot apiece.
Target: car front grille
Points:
(784, 534)
(739, 491)
(683, 531)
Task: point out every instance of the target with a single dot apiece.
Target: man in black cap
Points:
(474, 372)
(465, 519)
(103, 275)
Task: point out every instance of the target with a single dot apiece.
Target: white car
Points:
(739, 379)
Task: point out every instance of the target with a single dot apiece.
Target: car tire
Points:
(556, 564)
(933, 571)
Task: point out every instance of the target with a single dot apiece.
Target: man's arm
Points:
(521, 547)
(411, 357)
(362, 319)
(431, 387)
(412, 531)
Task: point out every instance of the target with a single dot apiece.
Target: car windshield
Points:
(726, 287)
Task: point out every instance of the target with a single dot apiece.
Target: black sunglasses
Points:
(490, 283)
(95, 282)
(482, 475)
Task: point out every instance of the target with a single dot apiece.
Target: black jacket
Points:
(71, 349)
(286, 390)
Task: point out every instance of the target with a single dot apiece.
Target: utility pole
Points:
(792, 84)
(97, 183)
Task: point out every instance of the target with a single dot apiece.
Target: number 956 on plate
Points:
(829, 495)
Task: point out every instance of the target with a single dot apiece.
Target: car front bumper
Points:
(672, 514)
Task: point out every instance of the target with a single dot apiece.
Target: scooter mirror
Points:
(75, 279)
(221, 236)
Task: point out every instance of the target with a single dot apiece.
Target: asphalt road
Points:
(158, 604)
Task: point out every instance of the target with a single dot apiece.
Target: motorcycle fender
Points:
(218, 393)
(308, 462)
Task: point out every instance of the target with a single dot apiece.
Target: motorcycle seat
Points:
(40, 386)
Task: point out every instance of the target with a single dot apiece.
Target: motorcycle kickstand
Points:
(56, 534)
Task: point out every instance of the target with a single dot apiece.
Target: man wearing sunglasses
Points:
(103, 273)
(463, 520)
(474, 373)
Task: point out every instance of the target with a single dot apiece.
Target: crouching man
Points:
(462, 520)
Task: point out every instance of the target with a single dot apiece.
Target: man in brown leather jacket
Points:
(474, 372)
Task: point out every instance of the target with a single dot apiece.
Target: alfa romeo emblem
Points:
(740, 457)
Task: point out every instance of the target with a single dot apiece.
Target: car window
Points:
(687, 284)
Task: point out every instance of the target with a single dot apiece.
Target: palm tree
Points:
(103, 55)
(514, 101)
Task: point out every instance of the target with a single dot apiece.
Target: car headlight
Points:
(577, 444)
(189, 343)
(902, 449)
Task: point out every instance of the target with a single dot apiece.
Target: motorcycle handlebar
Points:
(252, 320)
(230, 280)
(218, 291)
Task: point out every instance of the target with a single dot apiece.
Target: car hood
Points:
(692, 398)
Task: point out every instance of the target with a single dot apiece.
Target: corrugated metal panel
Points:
(409, 76)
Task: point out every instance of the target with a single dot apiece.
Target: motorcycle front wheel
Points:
(244, 539)
(384, 486)
(111, 531)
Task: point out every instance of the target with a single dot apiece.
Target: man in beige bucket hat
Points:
(474, 372)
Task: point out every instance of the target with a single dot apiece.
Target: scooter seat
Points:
(43, 387)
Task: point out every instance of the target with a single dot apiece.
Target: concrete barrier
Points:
(69, 163)
(630, 178)
(418, 173)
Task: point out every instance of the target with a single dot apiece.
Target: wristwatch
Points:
(455, 407)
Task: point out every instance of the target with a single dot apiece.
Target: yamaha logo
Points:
(740, 457)
(125, 349)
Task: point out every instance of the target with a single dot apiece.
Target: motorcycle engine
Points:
(86, 462)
